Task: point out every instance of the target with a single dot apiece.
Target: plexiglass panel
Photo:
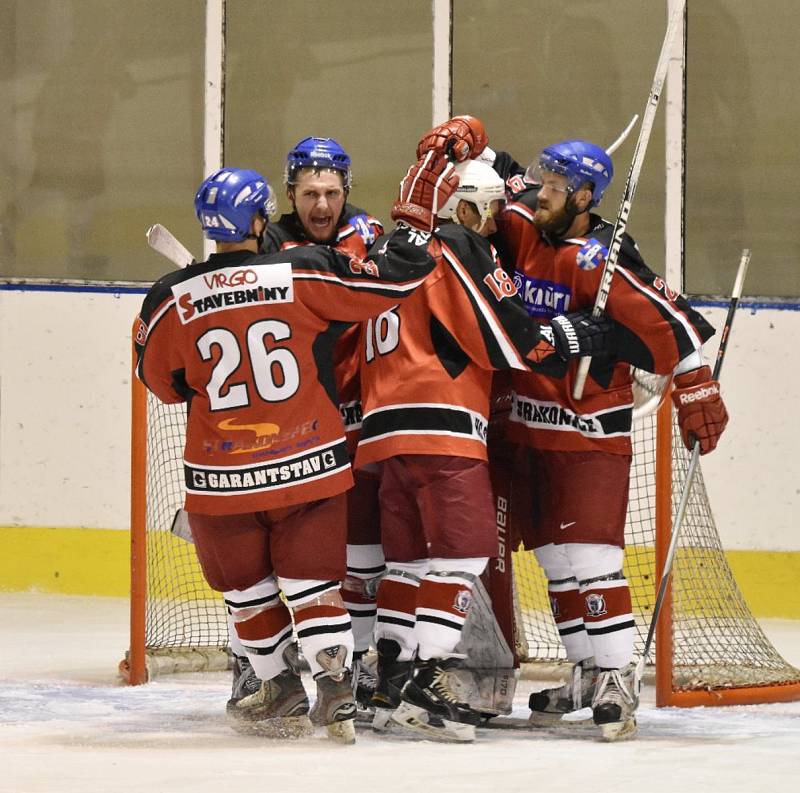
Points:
(358, 72)
(538, 72)
(742, 151)
(102, 134)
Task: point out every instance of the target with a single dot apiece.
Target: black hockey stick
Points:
(621, 222)
(687, 485)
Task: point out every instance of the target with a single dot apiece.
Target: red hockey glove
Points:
(701, 412)
(424, 191)
(461, 136)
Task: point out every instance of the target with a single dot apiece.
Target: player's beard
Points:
(555, 223)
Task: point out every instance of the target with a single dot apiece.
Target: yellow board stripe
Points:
(65, 561)
(96, 562)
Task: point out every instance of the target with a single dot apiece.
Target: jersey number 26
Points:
(264, 363)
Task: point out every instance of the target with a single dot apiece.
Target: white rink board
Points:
(64, 418)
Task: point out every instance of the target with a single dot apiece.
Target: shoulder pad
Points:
(602, 230)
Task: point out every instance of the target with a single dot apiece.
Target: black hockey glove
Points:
(579, 333)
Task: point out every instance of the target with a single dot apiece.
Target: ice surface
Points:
(68, 726)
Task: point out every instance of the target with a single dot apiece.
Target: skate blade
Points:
(415, 719)
(580, 716)
(343, 732)
(618, 730)
(382, 721)
(577, 718)
(278, 728)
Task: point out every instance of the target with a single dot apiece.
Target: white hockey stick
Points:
(630, 185)
(687, 485)
(162, 240)
(621, 139)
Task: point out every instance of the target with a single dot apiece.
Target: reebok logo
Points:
(699, 394)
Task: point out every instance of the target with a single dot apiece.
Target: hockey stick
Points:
(163, 241)
(687, 485)
(621, 222)
(621, 139)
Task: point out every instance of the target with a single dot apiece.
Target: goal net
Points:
(709, 649)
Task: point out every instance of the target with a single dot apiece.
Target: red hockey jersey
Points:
(356, 232)
(246, 340)
(655, 329)
(426, 365)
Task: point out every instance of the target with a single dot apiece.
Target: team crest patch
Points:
(463, 600)
(363, 228)
(596, 605)
(591, 255)
(554, 607)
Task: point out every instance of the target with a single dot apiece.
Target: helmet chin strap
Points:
(571, 211)
(259, 238)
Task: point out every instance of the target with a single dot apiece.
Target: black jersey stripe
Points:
(410, 418)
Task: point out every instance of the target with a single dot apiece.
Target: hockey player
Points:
(318, 177)
(426, 373)
(245, 340)
(579, 452)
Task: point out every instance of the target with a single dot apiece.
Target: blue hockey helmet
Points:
(226, 202)
(580, 162)
(317, 153)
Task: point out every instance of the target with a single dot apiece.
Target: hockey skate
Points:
(278, 709)
(364, 681)
(573, 700)
(245, 681)
(335, 708)
(430, 705)
(392, 676)
(615, 701)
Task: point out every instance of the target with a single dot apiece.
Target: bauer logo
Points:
(233, 287)
(591, 255)
(542, 298)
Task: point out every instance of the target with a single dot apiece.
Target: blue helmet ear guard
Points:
(580, 162)
(226, 202)
(317, 153)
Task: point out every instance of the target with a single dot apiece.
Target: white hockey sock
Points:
(365, 567)
(443, 602)
(320, 618)
(237, 648)
(566, 602)
(397, 601)
(567, 607)
(609, 620)
(263, 625)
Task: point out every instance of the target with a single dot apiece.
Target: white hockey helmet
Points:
(479, 184)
